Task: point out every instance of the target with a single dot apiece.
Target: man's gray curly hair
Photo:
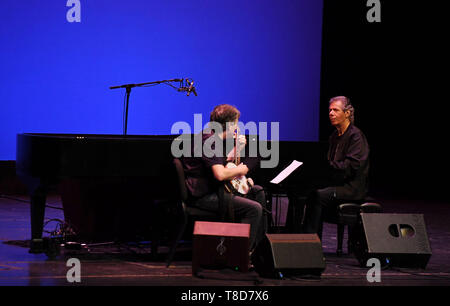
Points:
(347, 106)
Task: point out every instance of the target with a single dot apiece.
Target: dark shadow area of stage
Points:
(388, 69)
(132, 264)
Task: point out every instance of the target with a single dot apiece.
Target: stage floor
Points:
(133, 265)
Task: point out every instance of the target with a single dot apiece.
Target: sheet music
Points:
(286, 172)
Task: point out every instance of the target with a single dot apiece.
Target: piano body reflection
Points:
(109, 183)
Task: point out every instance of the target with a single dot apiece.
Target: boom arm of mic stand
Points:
(147, 83)
(128, 91)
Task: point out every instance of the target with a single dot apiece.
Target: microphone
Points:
(188, 86)
(191, 89)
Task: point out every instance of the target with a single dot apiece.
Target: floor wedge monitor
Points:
(396, 239)
(280, 255)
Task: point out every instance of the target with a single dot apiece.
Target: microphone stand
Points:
(128, 91)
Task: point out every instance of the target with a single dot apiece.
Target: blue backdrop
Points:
(262, 56)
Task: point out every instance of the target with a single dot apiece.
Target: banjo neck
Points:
(237, 153)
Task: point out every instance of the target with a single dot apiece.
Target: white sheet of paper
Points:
(286, 172)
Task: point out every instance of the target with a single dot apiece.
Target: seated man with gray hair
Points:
(348, 158)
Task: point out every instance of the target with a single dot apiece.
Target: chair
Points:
(184, 210)
(348, 215)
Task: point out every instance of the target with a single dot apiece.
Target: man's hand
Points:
(242, 170)
(225, 174)
(242, 141)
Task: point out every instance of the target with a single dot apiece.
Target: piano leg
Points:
(37, 212)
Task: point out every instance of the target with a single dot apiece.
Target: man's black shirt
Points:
(348, 156)
(200, 180)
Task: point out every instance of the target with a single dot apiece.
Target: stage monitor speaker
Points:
(219, 245)
(395, 239)
(280, 255)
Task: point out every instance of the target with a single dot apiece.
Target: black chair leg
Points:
(155, 244)
(351, 239)
(156, 218)
(177, 239)
(340, 238)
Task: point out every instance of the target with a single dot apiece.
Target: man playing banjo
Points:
(216, 184)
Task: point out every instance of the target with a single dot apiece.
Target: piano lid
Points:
(79, 155)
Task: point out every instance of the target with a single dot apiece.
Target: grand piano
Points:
(109, 183)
